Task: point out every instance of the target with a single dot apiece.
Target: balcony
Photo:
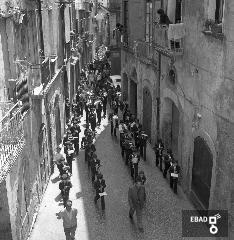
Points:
(11, 139)
(169, 40)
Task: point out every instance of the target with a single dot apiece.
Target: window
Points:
(219, 11)
(174, 10)
(148, 21)
(178, 11)
(125, 20)
(125, 14)
(215, 10)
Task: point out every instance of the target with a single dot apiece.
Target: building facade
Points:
(115, 41)
(178, 79)
(37, 40)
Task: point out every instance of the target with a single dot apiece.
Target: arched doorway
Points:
(133, 97)
(202, 172)
(125, 87)
(170, 126)
(147, 111)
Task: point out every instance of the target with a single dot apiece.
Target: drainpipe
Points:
(158, 97)
(42, 53)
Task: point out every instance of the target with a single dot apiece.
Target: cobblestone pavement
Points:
(161, 216)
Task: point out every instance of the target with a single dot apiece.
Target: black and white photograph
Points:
(116, 119)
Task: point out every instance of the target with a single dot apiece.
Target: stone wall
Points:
(202, 94)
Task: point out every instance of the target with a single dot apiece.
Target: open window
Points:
(214, 23)
(215, 10)
(174, 10)
(219, 11)
(125, 21)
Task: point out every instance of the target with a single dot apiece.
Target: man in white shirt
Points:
(59, 160)
(69, 216)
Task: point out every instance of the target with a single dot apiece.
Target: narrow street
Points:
(161, 216)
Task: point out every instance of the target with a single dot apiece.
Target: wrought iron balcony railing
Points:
(11, 138)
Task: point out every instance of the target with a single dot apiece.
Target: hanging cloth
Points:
(176, 31)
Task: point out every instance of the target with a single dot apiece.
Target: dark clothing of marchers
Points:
(69, 157)
(136, 199)
(174, 180)
(65, 186)
(99, 186)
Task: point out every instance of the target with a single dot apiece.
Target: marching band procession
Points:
(94, 93)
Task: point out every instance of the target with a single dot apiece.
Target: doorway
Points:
(147, 111)
(202, 172)
(170, 126)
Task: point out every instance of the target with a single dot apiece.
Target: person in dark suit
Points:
(142, 176)
(76, 138)
(159, 147)
(136, 199)
(174, 171)
(100, 186)
(104, 103)
(164, 19)
(143, 144)
(110, 118)
(65, 185)
(94, 164)
(167, 162)
(92, 120)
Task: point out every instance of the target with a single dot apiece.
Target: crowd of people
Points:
(94, 93)
(170, 163)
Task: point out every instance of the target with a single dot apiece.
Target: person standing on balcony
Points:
(164, 19)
